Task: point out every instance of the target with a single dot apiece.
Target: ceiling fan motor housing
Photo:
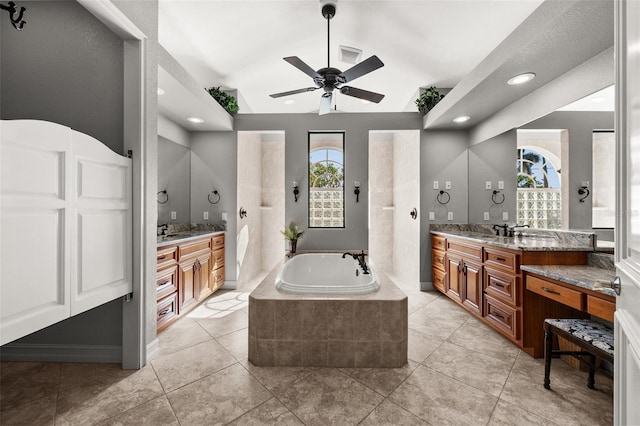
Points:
(329, 10)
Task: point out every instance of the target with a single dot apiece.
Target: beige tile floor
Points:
(459, 372)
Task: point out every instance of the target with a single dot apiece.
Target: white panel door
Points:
(627, 317)
(101, 255)
(35, 226)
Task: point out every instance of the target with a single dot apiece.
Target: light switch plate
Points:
(500, 184)
(173, 215)
(487, 185)
(450, 216)
(505, 215)
(206, 215)
(447, 185)
(432, 216)
(224, 216)
(486, 216)
(436, 185)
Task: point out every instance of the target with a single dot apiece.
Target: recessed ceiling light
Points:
(289, 101)
(364, 101)
(461, 119)
(195, 120)
(521, 78)
(598, 99)
(160, 91)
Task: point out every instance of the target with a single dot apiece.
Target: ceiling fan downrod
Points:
(328, 11)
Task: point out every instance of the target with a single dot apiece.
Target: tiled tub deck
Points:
(327, 331)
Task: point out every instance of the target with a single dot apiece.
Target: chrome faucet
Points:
(360, 258)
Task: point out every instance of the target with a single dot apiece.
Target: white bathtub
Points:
(325, 273)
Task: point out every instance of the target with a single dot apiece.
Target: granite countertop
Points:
(586, 276)
(525, 239)
(527, 242)
(181, 237)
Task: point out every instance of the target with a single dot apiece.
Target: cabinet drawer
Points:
(217, 242)
(556, 292)
(469, 250)
(167, 311)
(217, 258)
(438, 278)
(438, 242)
(502, 259)
(194, 247)
(217, 276)
(503, 317)
(502, 286)
(166, 281)
(166, 256)
(600, 307)
(437, 259)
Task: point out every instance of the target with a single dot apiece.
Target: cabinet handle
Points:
(464, 269)
(499, 315)
(162, 257)
(498, 284)
(165, 312)
(548, 290)
(501, 259)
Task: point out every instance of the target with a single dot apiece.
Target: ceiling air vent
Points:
(349, 55)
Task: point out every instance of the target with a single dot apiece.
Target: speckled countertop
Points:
(525, 240)
(585, 276)
(182, 237)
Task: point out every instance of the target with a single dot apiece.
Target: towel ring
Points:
(216, 193)
(166, 196)
(441, 197)
(495, 197)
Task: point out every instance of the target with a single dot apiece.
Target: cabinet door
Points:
(472, 286)
(203, 286)
(454, 274)
(188, 282)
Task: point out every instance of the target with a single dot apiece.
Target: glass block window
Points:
(539, 201)
(326, 179)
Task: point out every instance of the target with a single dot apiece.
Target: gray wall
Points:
(493, 160)
(356, 126)
(214, 164)
(580, 125)
(66, 67)
(443, 157)
(174, 176)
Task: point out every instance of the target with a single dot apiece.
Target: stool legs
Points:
(548, 343)
(591, 379)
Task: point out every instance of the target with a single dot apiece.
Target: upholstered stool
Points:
(594, 338)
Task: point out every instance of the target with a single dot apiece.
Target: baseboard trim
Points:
(229, 285)
(426, 286)
(153, 349)
(61, 353)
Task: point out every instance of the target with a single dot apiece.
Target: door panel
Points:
(472, 279)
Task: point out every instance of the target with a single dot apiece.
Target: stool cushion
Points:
(595, 333)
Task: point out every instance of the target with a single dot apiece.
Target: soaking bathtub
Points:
(325, 273)
(325, 324)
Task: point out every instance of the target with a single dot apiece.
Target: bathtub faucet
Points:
(360, 258)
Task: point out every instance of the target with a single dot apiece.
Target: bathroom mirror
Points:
(174, 177)
(326, 179)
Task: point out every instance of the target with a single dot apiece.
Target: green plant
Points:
(292, 232)
(226, 100)
(428, 99)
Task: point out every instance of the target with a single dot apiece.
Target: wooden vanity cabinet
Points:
(187, 273)
(464, 274)
(438, 262)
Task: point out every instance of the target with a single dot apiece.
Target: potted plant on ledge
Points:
(227, 101)
(428, 99)
(292, 233)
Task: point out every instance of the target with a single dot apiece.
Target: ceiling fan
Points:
(332, 78)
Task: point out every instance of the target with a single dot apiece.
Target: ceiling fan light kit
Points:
(330, 78)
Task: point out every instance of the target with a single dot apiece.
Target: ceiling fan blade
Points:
(299, 63)
(325, 103)
(294, 92)
(362, 94)
(370, 64)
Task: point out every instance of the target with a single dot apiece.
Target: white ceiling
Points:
(239, 44)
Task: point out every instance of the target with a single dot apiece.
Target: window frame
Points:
(310, 135)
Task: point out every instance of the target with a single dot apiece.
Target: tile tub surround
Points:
(327, 331)
(527, 239)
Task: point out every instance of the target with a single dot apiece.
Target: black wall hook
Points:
(17, 21)
(584, 190)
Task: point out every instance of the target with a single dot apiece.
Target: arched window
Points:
(326, 180)
(538, 188)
